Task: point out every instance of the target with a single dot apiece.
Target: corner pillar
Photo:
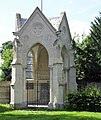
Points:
(72, 85)
(17, 86)
(57, 86)
(50, 105)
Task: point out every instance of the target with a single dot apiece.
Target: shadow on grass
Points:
(35, 116)
(4, 108)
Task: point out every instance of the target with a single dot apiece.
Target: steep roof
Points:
(23, 20)
(55, 21)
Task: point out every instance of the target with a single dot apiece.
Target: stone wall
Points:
(4, 91)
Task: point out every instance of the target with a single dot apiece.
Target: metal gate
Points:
(37, 93)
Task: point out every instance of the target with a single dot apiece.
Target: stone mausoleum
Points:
(43, 68)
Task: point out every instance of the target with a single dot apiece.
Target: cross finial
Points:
(41, 5)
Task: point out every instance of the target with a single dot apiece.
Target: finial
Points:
(41, 5)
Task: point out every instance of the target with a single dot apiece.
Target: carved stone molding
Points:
(38, 28)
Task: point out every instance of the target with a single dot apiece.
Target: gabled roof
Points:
(23, 20)
(21, 23)
(54, 21)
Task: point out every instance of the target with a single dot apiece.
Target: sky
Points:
(79, 13)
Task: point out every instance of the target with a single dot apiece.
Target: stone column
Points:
(57, 86)
(72, 85)
(24, 95)
(66, 80)
(17, 100)
(16, 86)
(50, 105)
(72, 73)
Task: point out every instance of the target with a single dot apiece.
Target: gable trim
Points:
(39, 12)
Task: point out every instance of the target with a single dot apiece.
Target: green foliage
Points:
(87, 99)
(88, 54)
(6, 56)
(7, 45)
(96, 32)
(4, 108)
(88, 61)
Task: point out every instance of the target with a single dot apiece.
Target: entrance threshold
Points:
(38, 106)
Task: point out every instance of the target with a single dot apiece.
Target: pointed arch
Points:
(29, 70)
(65, 71)
(65, 57)
(40, 57)
(40, 75)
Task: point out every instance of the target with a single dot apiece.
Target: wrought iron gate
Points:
(37, 93)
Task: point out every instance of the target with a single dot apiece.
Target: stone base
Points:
(18, 105)
(59, 105)
(55, 105)
(50, 105)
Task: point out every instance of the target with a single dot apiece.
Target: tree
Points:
(88, 54)
(88, 62)
(96, 32)
(6, 56)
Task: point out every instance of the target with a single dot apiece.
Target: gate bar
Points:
(37, 93)
(27, 92)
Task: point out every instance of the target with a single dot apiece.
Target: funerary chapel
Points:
(43, 69)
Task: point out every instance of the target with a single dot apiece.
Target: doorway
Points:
(37, 76)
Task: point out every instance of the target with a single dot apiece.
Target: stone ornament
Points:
(38, 28)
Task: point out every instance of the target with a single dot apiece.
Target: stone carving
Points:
(16, 44)
(38, 28)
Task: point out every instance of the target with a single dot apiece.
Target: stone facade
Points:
(49, 42)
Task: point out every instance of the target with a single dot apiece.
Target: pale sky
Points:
(79, 13)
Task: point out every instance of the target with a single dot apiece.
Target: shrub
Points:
(86, 99)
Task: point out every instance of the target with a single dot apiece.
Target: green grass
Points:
(7, 114)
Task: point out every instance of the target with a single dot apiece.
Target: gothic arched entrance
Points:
(37, 76)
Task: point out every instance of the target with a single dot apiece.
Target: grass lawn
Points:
(8, 114)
